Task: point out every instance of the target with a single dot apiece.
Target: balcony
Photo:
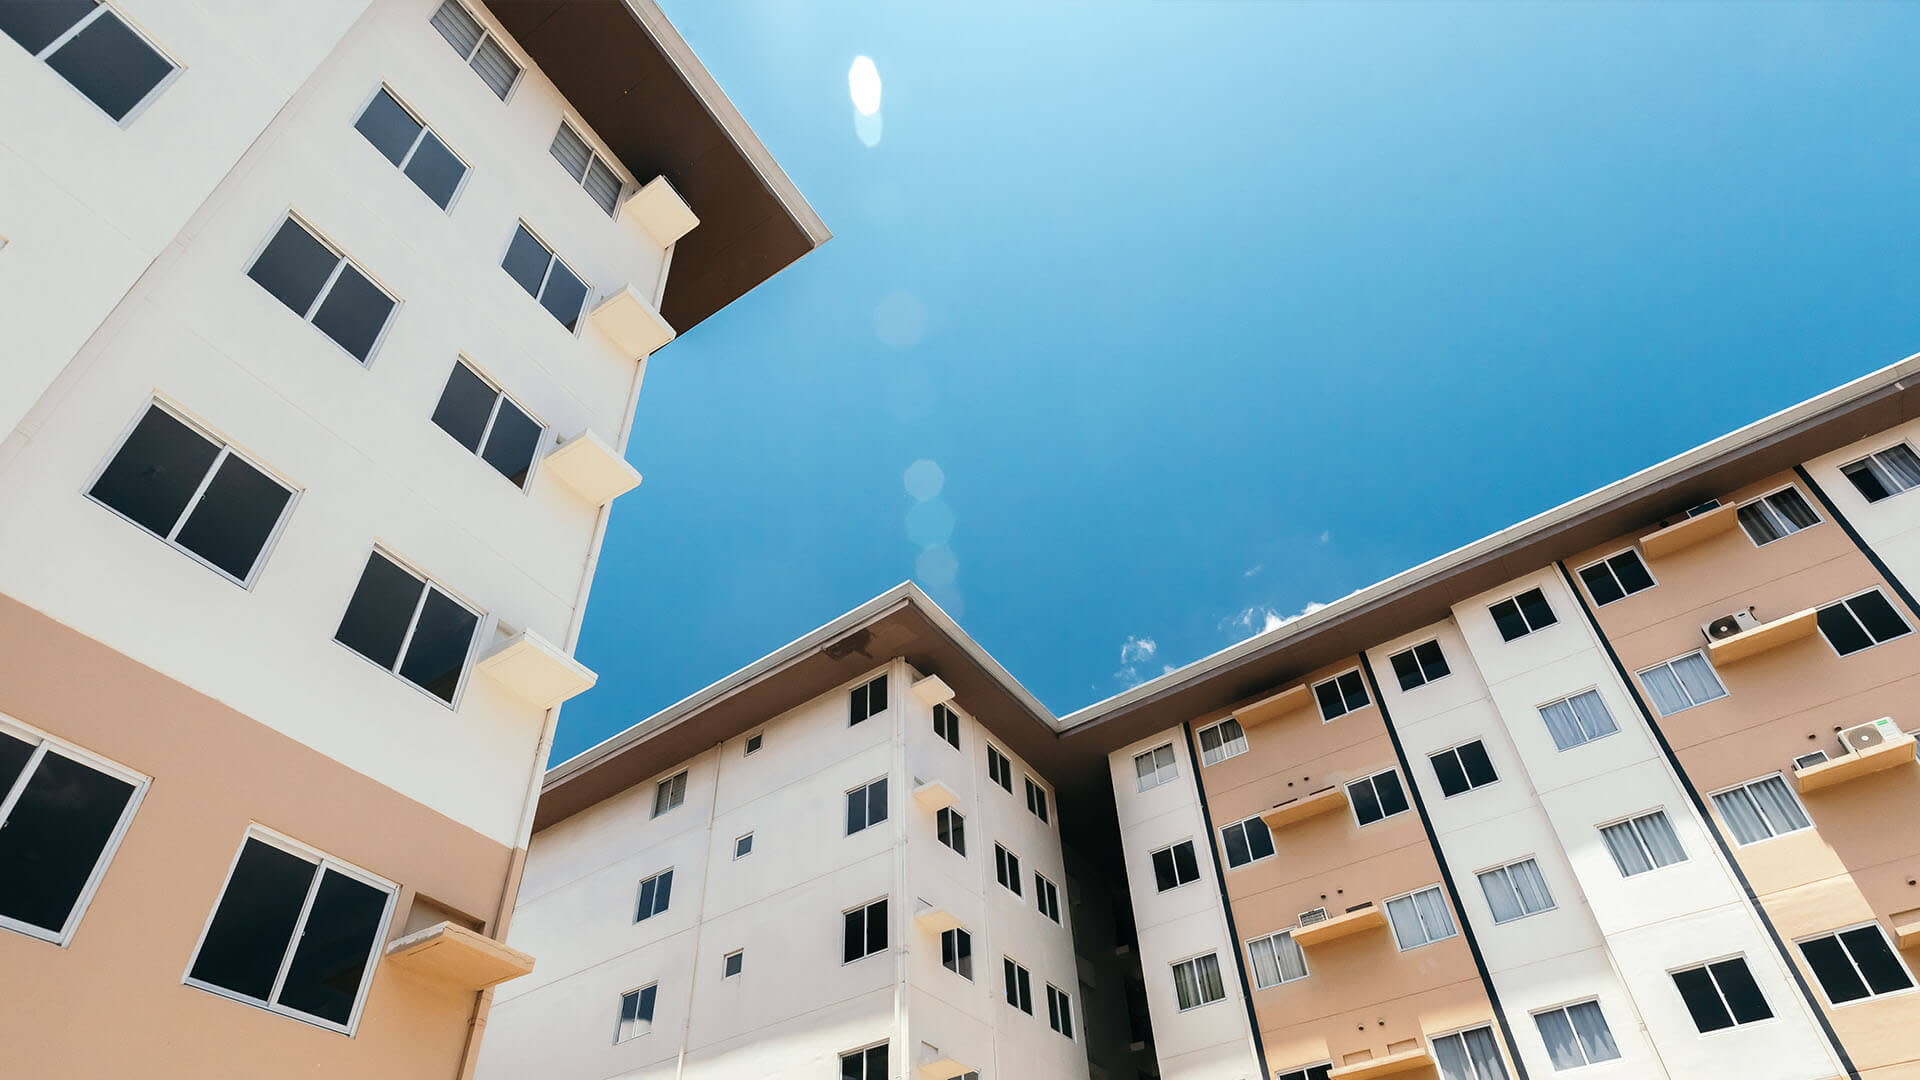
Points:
(1891, 754)
(1272, 708)
(1405, 1061)
(1361, 918)
(1687, 533)
(1760, 639)
(455, 956)
(1310, 805)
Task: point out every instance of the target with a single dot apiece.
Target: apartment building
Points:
(325, 327)
(839, 861)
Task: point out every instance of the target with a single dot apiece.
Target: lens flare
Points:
(863, 84)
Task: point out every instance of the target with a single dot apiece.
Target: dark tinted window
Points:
(655, 893)
(1878, 616)
(465, 405)
(381, 609)
(294, 267)
(14, 755)
(511, 443)
(354, 312)
(1175, 866)
(1377, 797)
(156, 471)
(1533, 605)
(563, 295)
(1341, 695)
(254, 921)
(435, 170)
(1478, 766)
(438, 652)
(1843, 630)
(1452, 777)
(868, 1064)
(110, 64)
(230, 525)
(36, 23)
(54, 835)
(1506, 616)
(390, 128)
(335, 944)
(1877, 963)
(526, 261)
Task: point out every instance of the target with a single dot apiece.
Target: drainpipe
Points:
(700, 915)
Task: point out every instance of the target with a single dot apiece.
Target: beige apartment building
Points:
(325, 324)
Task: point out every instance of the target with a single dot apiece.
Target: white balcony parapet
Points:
(534, 670)
(594, 470)
(932, 690)
(661, 212)
(632, 323)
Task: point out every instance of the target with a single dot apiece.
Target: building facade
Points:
(325, 328)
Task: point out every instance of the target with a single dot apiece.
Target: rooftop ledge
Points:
(534, 670)
(1887, 755)
(452, 954)
(1762, 638)
(1391, 1065)
(592, 469)
(1685, 534)
(1312, 804)
(1353, 922)
(1274, 707)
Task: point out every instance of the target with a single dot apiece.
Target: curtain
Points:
(1211, 988)
(1776, 802)
(1759, 526)
(1657, 833)
(1486, 1054)
(1663, 686)
(1562, 725)
(1789, 505)
(1591, 1026)
(1500, 895)
(1562, 1049)
(1433, 914)
(1406, 923)
(1901, 466)
(1531, 886)
(1595, 720)
(1451, 1055)
(1742, 815)
(1186, 984)
(1276, 960)
(1624, 845)
(1697, 676)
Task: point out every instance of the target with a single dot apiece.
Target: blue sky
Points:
(1210, 309)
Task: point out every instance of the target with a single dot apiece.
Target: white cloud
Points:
(1136, 649)
(1265, 618)
(1254, 569)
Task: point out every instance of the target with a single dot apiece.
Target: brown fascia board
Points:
(634, 80)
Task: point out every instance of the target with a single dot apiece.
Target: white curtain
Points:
(1276, 959)
(1591, 1026)
(1697, 676)
(1405, 919)
(1657, 833)
(1595, 720)
(1531, 886)
(1433, 914)
(1663, 686)
(1742, 815)
(1562, 1048)
(1486, 1054)
(1776, 802)
(1624, 845)
(1562, 725)
(1500, 895)
(1901, 466)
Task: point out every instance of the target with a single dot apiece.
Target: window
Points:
(1771, 517)
(294, 932)
(1419, 918)
(1155, 767)
(1760, 809)
(1019, 988)
(636, 1013)
(1175, 866)
(1420, 665)
(1276, 959)
(1311, 1072)
(753, 744)
(946, 724)
(481, 417)
(92, 47)
(670, 793)
(1522, 615)
(867, 700)
(546, 278)
(1463, 768)
(1059, 1011)
(1616, 577)
(1221, 741)
(486, 56)
(1341, 695)
(409, 625)
(195, 492)
(1516, 890)
(1247, 841)
(868, 1064)
(1036, 799)
(732, 963)
(1376, 797)
(1006, 867)
(1196, 982)
(1884, 474)
(654, 894)
(1643, 843)
(1048, 896)
(587, 168)
(1576, 1035)
(865, 931)
(406, 141)
(1469, 1055)
(1721, 994)
(1576, 720)
(1860, 622)
(1682, 683)
(324, 287)
(999, 769)
(951, 828)
(743, 845)
(62, 813)
(866, 805)
(956, 952)
(1855, 964)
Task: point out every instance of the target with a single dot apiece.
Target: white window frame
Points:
(598, 151)
(1632, 821)
(323, 863)
(326, 288)
(138, 31)
(1371, 780)
(997, 756)
(1844, 602)
(1229, 748)
(1775, 517)
(1177, 883)
(584, 315)
(1038, 800)
(1522, 612)
(1444, 906)
(1251, 858)
(1006, 869)
(44, 744)
(726, 959)
(865, 935)
(1871, 463)
(500, 393)
(624, 994)
(407, 158)
(640, 889)
(1668, 664)
(957, 932)
(1505, 870)
(663, 781)
(1064, 1011)
(482, 629)
(1160, 776)
(748, 747)
(1541, 710)
(487, 30)
(1304, 1072)
(1714, 981)
(1461, 1034)
(1893, 946)
(953, 721)
(1046, 896)
(1344, 709)
(1425, 679)
(1253, 970)
(1455, 751)
(1742, 786)
(866, 801)
(1012, 987)
(1564, 1007)
(1607, 561)
(1195, 959)
(957, 822)
(227, 449)
(747, 838)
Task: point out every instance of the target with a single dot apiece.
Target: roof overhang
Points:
(635, 81)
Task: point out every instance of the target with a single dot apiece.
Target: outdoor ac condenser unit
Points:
(1726, 626)
(1865, 736)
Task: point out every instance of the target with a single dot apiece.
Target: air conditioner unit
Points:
(1705, 507)
(1308, 918)
(1807, 761)
(1865, 736)
(1727, 626)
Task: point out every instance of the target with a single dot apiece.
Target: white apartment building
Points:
(325, 329)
